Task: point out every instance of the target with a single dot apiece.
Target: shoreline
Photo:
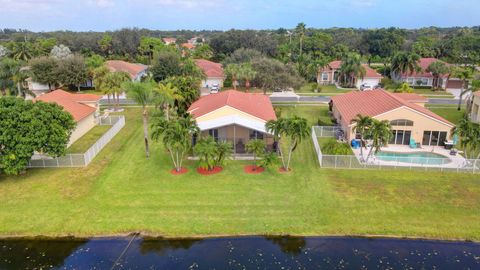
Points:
(150, 236)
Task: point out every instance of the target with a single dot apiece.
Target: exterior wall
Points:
(420, 123)
(140, 75)
(211, 81)
(35, 86)
(83, 126)
(330, 77)
(226, 111)
(368, 81)
(475, 115)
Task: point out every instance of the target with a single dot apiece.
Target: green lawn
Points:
(430, 92)
(87, 140)
(121, 191)
(448, 112)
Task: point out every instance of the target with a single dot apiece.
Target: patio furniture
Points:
(413, 144)
(453, 152)
(449, 145)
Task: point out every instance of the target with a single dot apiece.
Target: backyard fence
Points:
(403, 163)
(81, 160)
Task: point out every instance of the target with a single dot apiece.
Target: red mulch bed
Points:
(282, 170)
(207, 172)
(251, 169)
(182, 171)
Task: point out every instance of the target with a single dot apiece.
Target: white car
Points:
(214, 89)
(365, 87)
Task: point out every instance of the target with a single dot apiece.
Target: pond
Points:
(238, 253)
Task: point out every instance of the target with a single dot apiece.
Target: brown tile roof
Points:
(189, 46)
(168, 40)
(257, 105)
(369, 72)
(211, 69)
(130, 68)
(71, 103)
(411, 97)
(373, 103)
(423, 64)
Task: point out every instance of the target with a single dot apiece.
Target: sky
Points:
(101, 15)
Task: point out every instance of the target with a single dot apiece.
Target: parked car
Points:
(365, 87)
(214, 89)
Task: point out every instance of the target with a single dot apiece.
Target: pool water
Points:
(423, 158)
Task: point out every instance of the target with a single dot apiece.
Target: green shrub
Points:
(310, 87)
(332, 147)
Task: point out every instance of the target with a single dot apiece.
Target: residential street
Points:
(326, 99)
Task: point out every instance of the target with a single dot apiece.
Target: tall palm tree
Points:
(362, 126)
(165, 96)
(404, 62)
(257, 148)
(469, 135)
(464, 74)
(351, 69)
(113, 82)
(233, 71)
(142, 93)
(380, 133)
(21, 51)
(437, 69)
(247, 73)
(300, 31)
(99, 80)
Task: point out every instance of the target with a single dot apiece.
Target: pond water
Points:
(239, 253)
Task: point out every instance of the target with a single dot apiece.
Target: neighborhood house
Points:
(475, 115)
(409, 119)
(213, 72)
(425, 78)
(330, 73)
(136, 71)
(83, 107)
(234, 116)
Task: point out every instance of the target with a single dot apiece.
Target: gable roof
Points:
(211, 69)
(376, 102)
(72, 103)
(189, 46)
(257, 105)
(369, 72)
(423, 64)
(411, 97)
(130, 68)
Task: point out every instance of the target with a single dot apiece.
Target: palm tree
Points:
(469, 135)
(257, 148)
(99, 80)
(165, 96)
(380, 133)
(206, 150)
(464, 74)
(300, 30)
(113, 82)
(142, 93)
(316, 66)
(21, 50)
(294, 129)
(437, 69)
(247, 73)
(177, 136)
(362, 126)
(224, 151)
(233, 71)
(351, 69)
(403, 62)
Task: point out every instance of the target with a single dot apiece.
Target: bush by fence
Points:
(81, 160)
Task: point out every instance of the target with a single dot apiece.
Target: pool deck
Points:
(453, 162)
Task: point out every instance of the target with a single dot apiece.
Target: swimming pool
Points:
(423, 158)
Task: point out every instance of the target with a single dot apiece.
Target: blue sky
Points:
(99, 15)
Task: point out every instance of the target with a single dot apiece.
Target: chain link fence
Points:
(403, 163)
(81, 160)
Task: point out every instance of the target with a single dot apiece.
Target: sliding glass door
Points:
(401, 137)
(434, 138)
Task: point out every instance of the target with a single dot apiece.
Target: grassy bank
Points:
(121, 191)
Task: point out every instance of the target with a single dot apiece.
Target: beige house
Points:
(214, 75)
(475, 114)
(83, 107)
(234, 116)
(409, 119)
(329, 75)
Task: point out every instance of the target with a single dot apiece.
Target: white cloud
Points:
(28, 5)
(103, 3)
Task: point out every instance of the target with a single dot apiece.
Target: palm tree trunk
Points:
(464, 90)
(19, 90)
(290, 155)
(145, 131)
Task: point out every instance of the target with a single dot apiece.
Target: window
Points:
(213, 133)
(424, 81)
(434, 138)
(400, 137)
(256, 135)
(324, 76)
(401, 122)
(411, 81)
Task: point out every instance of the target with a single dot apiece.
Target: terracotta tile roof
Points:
(71, 103)
(169, 40)
(211, 69)
(257, 105)
(423, 63)
(369, 72)
(373, 103)
(130, 68)
(411, 97)
(189, 46)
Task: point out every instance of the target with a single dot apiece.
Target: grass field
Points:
(448, 112)
(87, 140)
(121, 192)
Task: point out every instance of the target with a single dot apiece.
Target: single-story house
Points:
(84, 108)
(426, 78)
(188, 46)
(407, 118)
(329, 75)
(234, 116)
(169, 41)
(136, 71)
(475, 114)
(213, 72)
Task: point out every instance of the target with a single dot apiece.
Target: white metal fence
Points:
(81, 160)
(326, 131)
(404, 163)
